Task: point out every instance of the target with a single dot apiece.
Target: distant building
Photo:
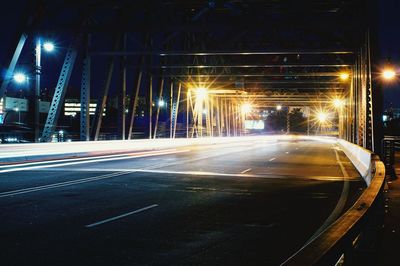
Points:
(72, 107)
(396, 113)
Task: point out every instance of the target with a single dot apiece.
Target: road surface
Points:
(247, 203)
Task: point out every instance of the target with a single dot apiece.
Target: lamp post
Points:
(389, 74)
(37, 87)
(48, 47)
(19, 115)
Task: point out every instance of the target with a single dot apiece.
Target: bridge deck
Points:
(243, 203)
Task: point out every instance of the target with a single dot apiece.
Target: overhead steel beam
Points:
(61, 88)
(252, 66)
(216, 53)
(216, 83)
(315, 74)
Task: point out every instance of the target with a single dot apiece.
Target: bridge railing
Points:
(339, 242)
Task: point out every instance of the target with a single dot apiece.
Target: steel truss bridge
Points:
(266, 52)
(201, 69)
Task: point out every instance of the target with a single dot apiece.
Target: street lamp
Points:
(20, 77)
(388, 74)
(322, 117)
(19, 115)
(246, 108)
(161, 103)
(338, 103)
(344, 76)
(48, 47)
(201, 93)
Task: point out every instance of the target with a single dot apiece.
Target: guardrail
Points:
(337, 244)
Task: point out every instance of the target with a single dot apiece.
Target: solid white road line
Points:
(339, 205)
(57, 185)
(121, 216)
(245, 171)
(139, 155)
(272, 159)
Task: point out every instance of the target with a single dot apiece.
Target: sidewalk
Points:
(391, 232)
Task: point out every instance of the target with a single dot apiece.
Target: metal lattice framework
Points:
(61, 88)
(294, 49)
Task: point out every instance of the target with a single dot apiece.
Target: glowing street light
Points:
(279, 107)
(322, 117)
(48, 46)
(161, 103)
(246, 108)
(201, 93)
(388, 74)
(344, 76)
(19, 78)
(338, 103)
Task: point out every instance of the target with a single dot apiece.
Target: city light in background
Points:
(389, 74)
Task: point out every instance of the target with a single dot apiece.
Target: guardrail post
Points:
(388, 147)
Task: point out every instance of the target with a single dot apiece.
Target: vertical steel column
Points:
(150, 106)
(187, 113)
(158, 107)
(122, 96)
(13, 63)
(61, 89)
(134, 105)
(171, 108)
(38, 68)
(288, 121)
(222, 116)
(308, 121)
(177, 107)
(370, 106)
(212, 116)
(234, 119)
(206, 111)
(102, 101)
(85, 95)
(218, 118)
(227, 120)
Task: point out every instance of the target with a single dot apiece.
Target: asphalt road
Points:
(230, 204)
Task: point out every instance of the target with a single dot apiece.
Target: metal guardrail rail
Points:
(338, 241)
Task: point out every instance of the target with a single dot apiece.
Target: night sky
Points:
(389, 29)
(389, 36)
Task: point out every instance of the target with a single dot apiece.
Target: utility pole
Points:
(37, 88)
